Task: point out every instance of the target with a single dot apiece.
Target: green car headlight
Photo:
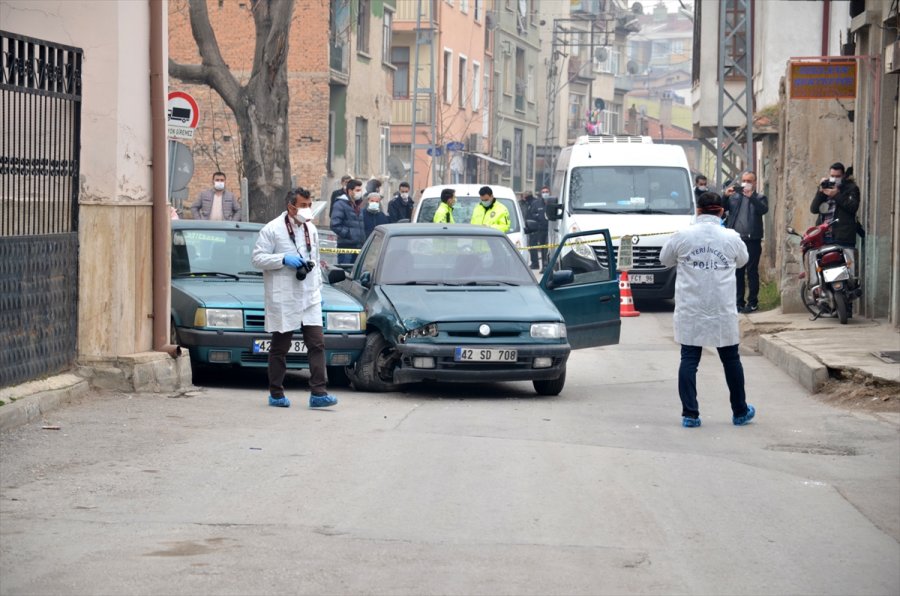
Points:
(221, 318)
(429, 330)
(548, 330)
(345, 321)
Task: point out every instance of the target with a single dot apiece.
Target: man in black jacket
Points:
(745, 210)
(401, 205)
(837, 199)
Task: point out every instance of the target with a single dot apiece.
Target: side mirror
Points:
(554, 210)
(561, 278)
(790, 230)
(365, 279)
(336, 276)
(530, 226)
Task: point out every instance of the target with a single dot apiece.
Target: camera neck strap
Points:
(290, 231)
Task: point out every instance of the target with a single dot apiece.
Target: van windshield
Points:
(462, 212)
(630, 189)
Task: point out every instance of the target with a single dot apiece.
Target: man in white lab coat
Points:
(707, 255)
(287, 250)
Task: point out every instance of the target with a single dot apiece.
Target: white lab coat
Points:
(707, 255)
(286, 297)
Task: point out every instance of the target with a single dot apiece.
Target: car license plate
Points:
(261, 346)
(641, 278)
(485, 355)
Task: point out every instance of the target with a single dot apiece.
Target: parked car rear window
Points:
(462, 212)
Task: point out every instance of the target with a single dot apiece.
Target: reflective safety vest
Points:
(444, 214)
(497, 216)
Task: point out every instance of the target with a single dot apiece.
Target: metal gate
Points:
(40, 119)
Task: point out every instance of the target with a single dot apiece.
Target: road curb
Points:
(800, 366)
(30, 401)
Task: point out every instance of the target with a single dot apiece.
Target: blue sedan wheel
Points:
(374, 371)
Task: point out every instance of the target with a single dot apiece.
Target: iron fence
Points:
(40, 118)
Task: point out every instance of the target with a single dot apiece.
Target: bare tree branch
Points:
(189, 73)
(218, 75)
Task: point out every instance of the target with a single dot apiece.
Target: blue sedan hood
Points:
(415, 305)
(249, 294)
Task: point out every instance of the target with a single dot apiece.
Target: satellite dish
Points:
(396, 168)
(636, 8)
(601, 54)
(632, 67)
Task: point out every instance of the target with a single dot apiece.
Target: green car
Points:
(218, 310)
(456, 303)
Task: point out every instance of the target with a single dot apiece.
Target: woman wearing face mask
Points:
(489, 212)
(373, 215)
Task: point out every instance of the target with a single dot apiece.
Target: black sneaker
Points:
(750, 308)
(741, 307)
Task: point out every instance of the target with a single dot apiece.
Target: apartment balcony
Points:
(407, 11)
(402, 111)
(579, 71)
(339, 63)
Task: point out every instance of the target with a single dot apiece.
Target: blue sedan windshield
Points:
(202, 250)
(453, 260)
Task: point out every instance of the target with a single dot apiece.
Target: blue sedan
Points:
(218, 306)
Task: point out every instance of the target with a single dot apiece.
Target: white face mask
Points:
(304, 215)
(485, 204)
(703, 188)
(219, 185)
(404, 195)
(747, 185)
(545, 195)
(373, 207)
(836, 180)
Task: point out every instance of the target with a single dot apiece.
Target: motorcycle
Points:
(829, 284)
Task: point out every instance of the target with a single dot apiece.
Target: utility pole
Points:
(424, 35)
(735, 62)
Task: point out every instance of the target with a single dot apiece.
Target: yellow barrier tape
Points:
(340, 251)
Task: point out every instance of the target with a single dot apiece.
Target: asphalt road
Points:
(462, 489)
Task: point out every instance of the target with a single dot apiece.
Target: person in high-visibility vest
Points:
(444, 212)
(489, 212)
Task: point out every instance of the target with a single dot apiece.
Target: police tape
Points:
(635, 239)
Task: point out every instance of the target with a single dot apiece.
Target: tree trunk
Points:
(260, 108)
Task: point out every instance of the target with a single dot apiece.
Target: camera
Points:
(304, 268)
(737, 188)
(827, 184)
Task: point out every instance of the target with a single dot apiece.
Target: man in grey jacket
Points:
(216, 203)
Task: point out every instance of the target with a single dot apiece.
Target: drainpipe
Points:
(826, 25)
(160, 213)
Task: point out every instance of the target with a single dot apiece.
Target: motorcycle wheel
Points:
(840, 303)
(807, 300)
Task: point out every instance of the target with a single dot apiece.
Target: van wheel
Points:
(173, 333)
(550, 386)
(337, 376)
(374, 371)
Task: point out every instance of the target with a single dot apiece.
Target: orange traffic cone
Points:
(626, 306)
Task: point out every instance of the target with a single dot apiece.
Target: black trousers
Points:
(751, 270)
(314, 339)
(534, 239)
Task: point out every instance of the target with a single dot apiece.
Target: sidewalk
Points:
(812, 352)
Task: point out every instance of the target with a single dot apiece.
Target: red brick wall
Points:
(216, 143)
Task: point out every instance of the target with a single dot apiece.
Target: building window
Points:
(463, 71)
(529, 85)
(386, 35)
(400, 60)
(529, 162)
(517, 160)
(362, 26)
(737, 43)
(678, 46)
(361, 163)
(448, 74)
(385, 148)
(479, 9)
(464, 6)
(476, 86)
(506, 151)
(520, 79)
(507, 74)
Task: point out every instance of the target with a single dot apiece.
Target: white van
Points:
(630, 186)
(466, 200)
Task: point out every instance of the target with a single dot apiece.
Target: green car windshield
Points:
(221, 251)
(453, 260)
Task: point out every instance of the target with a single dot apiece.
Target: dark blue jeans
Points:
(751, 269)
(687, 379)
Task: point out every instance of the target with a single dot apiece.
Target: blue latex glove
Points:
(292, 261)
